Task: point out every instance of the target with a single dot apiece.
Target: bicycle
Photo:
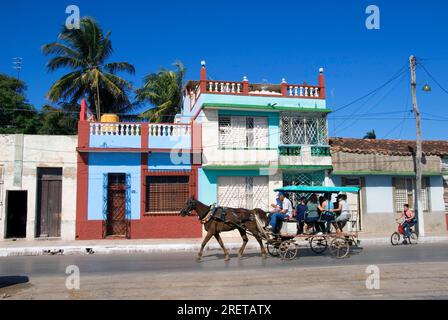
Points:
(397, 237)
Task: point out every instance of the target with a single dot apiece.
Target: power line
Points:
(432, 77)
(399, 73)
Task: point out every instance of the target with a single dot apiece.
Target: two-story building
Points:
(258, 137)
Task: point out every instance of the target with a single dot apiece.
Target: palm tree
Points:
(86, 51)
(370, 135)
(164, 91)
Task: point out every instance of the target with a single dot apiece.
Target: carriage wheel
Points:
(339, 247)
(413, 239)
(288, 250)
(318, 244)
(395, 239)
(272, 249)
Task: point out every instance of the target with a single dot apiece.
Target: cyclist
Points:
(409, 221)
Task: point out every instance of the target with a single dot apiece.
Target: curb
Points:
(152, 248)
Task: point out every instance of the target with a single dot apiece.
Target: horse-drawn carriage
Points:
(286, 245)
(218, 219)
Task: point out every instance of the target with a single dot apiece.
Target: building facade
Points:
(384, 169)
(37, 186)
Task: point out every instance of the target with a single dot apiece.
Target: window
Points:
(301, 130)
(166, 194)
(243, 192)
(243, 132)
(404, 190)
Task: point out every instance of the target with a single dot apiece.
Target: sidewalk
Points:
(49, 247)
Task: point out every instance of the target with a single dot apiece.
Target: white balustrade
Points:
(115, 129)
(224, 87)
(169, 130)
(303, 91)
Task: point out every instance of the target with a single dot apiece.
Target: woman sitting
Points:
(312, 215)
(343, 212)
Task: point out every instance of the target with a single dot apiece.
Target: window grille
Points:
(302, 179)
(243, 132)
(303, 130)
(243, 192)
(166, 194)
(404, 193)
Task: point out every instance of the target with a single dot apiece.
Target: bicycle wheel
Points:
(339, 247)
(413, 239)
(288, 250)
(318, 244)
(395, 239)
(272, 249)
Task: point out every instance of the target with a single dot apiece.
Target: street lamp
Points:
(426, 87)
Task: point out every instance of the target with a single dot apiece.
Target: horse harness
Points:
(222, 217)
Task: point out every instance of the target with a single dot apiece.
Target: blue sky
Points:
(265, 41)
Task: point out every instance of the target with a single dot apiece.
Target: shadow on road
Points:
(8, 281)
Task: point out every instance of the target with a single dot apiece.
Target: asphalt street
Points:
(174, 275)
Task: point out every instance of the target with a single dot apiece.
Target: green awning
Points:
(317, 189)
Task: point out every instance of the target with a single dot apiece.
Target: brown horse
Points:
(219, 219)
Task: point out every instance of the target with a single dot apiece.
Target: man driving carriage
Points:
(285, 213)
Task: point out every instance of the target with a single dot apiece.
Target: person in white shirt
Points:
(285, 213)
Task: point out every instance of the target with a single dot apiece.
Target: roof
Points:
(388, 147)
(317, 189)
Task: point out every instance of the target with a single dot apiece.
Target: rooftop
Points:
(388, 147)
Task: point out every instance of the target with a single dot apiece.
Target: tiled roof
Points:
(388, 147)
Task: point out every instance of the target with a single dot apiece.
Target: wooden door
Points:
(49, 192)
(116, 205)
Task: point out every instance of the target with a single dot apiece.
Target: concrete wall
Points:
(21, 156)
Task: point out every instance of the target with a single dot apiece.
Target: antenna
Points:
(17, 65)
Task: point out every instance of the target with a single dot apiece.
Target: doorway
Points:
(116, 224)
(49, 202)
(16, 214)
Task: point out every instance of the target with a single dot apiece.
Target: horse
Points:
(219, 219)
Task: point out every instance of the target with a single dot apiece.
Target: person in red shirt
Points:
(409, 221)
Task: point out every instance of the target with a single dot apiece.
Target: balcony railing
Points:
(137, 135)
(289, 150)
(320, 151)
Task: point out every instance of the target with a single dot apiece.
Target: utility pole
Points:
(419, 154)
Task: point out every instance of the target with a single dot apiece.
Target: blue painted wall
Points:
(170, 142)
(101, 163)
(106, 141)
(169, 161)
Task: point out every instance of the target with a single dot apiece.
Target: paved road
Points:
(177, 275)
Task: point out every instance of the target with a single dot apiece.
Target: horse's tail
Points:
(261, 218)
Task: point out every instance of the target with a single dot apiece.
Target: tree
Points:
(16, 114)
(85, 51)
(164, 91)
(59, 121)
(370, 135)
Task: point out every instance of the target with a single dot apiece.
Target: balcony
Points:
(284, 95)
(304, 155)
(141, 136)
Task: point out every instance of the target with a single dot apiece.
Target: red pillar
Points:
(144, 168)
(245, 85)
(203, 78)
(284, 88)
(82, 181)
(321, 84)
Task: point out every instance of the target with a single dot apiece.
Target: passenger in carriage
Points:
(312, 214)
(342, 211)
(327, 214)
(285, 213)
(301, 210)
